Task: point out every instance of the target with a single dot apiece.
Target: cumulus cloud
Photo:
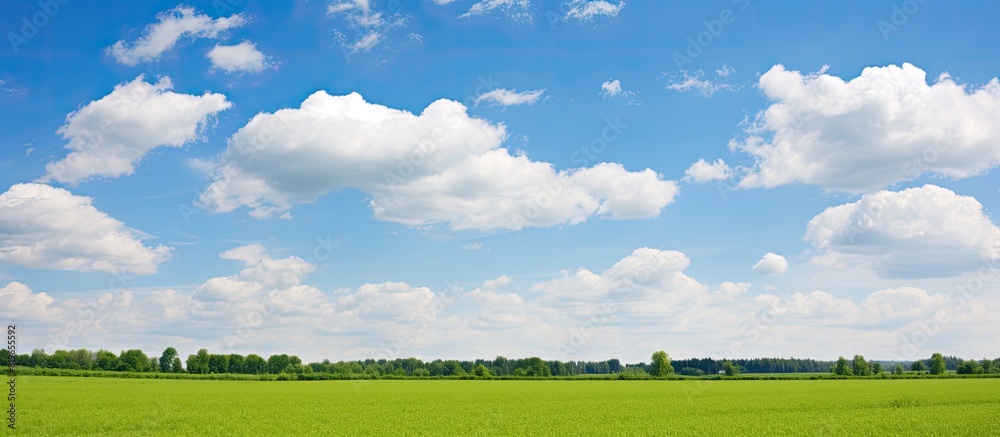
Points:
(771, 264)
(43, 227)
(885, 126)
(575, 315)
(505, 97)
(22, 304)
(588, 10)
(177, 23)
(611, 88)
(242, 57)
(518, 11)
(441, 166)
(702, 171)
(109, 136)
(919, 232)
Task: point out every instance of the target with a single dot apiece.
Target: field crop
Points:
(81, 406)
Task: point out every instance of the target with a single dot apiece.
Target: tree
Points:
(482, 371)
(661, 364)
(198, 363)
(218, 363)
(106, 360)
(133, 360)
(277, 363)
(938, 366)
(175, 366)
(690, 371)
(167, 359)
(860, 366)
(970, 367)
(898, 370)
(841, 368)
(876, 367)
(254, 364)
(730, 368)
(918, 366)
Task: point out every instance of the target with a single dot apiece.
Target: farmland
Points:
(71, 405)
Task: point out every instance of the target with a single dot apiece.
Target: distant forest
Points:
(203, 362)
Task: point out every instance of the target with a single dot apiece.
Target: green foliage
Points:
(918, 366)
(690, 371)
(660, 366)
(730, 368)
(482, 371)
(860, 366)
(841, 367)
(133, 360)
(938, 366)
(970, 367)
(898, 369)
(167, 359)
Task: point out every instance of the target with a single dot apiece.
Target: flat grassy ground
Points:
(80, 406)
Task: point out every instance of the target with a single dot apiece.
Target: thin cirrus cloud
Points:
(588, 10)
(43, 227)
(439, 167)
(885, 126)
(518, 11)
(505, 97)
(172, 26)
(239, 58)
(368, 26)
(923, 232)
(109, 136)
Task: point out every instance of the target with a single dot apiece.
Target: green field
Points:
(72, 405)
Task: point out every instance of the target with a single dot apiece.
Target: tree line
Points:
(660, 365)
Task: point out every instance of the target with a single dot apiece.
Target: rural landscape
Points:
(500, 217)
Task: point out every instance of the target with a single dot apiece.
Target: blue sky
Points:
(554, 207)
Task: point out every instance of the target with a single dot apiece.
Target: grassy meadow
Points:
(111, 406)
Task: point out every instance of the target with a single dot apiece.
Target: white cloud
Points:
(505, 97)
(885, 126)
(474, 246)
(242, 57)
(441, 166)
(697, 81)
(919, 232)
(579, 314)
(23, 305)
(519, 11)
(109, 136)
(173, 25)
(261, 273)
(587, 10)
(370, 27)
(43, 227)
(702, 171)
(611, 88)
(771, 264)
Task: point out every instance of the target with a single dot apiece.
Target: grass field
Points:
(69, 405)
